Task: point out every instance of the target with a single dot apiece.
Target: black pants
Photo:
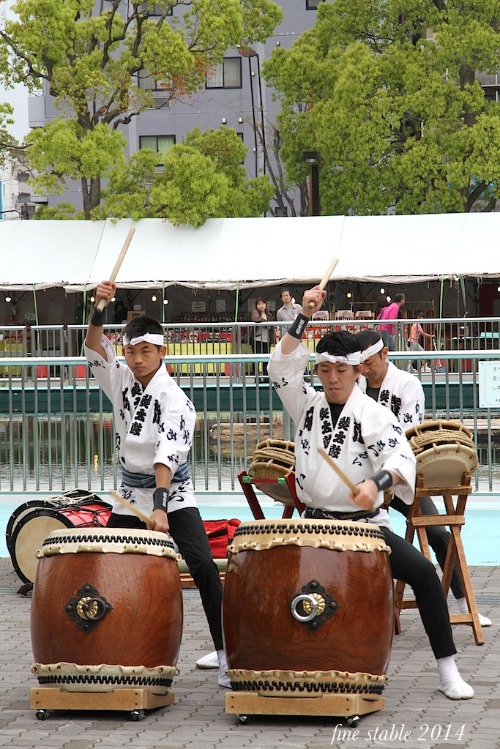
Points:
(408, 564)
(188, 532)
(261, 347)
(439, 539)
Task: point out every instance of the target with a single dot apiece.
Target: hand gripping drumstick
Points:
(118, 263)
(340, 473)
(326, 278)
(150, 524)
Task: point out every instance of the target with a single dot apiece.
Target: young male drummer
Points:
(155, 423)
(367, 442)
(404, 395)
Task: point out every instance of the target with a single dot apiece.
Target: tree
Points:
(8, 144)
(387, 91)
(90, 58)
(201, 178)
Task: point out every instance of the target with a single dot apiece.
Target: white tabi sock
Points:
(223, 680)
(450, 681)
(464, 609)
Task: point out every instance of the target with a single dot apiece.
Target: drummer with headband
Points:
(369, 446)
(155, 423)
(404, 395)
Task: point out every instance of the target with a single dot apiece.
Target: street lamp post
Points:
(313, 158)
(248, 52)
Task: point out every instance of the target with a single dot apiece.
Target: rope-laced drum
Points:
(308, 607)
(32, 521)
(273, 459)
(444, 451)
(106, 611)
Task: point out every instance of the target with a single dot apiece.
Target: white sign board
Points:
(489, 384)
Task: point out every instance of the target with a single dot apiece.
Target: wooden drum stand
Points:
(454, 517)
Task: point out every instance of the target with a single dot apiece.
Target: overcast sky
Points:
(18, 97)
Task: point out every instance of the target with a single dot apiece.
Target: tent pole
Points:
(35, 305)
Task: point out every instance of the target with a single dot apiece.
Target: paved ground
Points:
(416, 715)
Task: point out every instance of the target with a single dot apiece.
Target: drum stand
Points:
(350, 706)
(246, 483)
(454, 518)
(136, 701)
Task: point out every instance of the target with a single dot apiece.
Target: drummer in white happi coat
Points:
(367, 442)
(155, 423)
(403, 394)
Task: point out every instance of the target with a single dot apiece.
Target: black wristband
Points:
(160, 498)
(382, 480)
(98, 317)
(296, 329)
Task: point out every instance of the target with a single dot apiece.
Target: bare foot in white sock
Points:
(450, 681)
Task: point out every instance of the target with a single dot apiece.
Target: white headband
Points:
(373, 349)
(155, 338)
(353, 359)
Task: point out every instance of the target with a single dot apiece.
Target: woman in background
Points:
(263, 334)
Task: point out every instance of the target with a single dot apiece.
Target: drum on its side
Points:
(308, 607)
(32, 521)
(444, 451)
(273, 459)
(106, 610)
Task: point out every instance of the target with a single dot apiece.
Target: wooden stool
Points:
(454, 518)
(247, 483)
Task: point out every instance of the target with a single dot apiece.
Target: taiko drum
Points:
(106, 610)
(308, 605)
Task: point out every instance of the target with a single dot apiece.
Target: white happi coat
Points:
(366, 439)
(403, 394)
(153, 425)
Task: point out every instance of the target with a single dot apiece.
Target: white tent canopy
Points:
(248, 252)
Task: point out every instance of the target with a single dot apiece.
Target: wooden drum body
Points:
(106, 610)
(308, 607)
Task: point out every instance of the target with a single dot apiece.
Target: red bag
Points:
(220, 534)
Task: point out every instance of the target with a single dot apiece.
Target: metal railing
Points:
(195, 339)
(57, 431)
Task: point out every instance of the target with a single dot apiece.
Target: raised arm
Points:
(316, 295)
(105, 291)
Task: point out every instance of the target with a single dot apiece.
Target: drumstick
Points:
(118, 263)
(326, 278)
(150, 524)
(340, 473)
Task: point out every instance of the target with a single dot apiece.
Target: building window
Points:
(161, 144)
(159, 10)
(312, 4)
(225, 75)
(148, 82)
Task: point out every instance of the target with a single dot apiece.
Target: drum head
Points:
(444, 465)
(17, 516)
(29, 535)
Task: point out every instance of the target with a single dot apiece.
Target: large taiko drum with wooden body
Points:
(308, 607)
(106, 610)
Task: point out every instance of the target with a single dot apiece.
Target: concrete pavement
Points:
(415, 715)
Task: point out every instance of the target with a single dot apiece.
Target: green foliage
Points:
(89, 62)
(7, 141)
(202, 178)
(396, 111)
(60, 212)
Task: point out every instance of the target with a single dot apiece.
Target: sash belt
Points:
(146, 481)
(326, 515)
